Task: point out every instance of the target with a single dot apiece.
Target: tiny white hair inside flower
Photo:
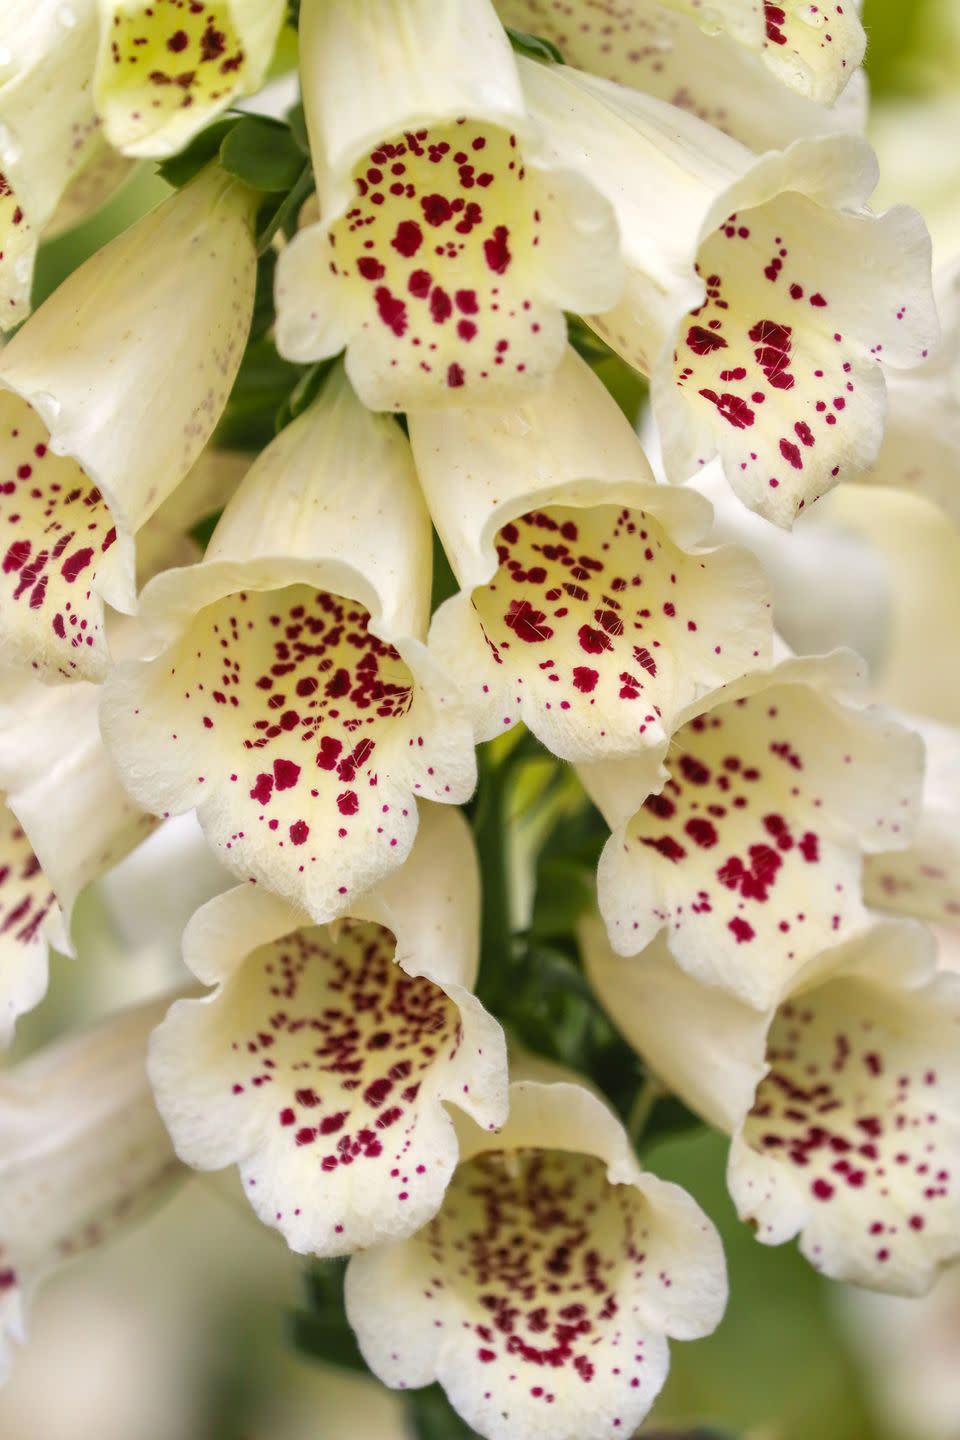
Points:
(448, 244)
(294, 703)
(543, 1294)
(322, 1062)
(748, 846)
(82, 1152)
(587, 609)
(842, 1101)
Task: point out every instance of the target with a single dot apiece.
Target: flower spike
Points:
(322, 1063)
(295, 703)
(98, 424)
(448, 243)
(842, 1102)
(542, 1295)
(748, 847)
(744, 301)
(82, 1152)
(166, 68)
(587, 610)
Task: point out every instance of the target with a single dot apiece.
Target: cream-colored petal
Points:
(166, 68)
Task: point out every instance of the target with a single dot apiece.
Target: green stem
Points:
(490, 834)
(647, 1096)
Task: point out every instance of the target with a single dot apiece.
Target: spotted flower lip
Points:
(748, 847)
(49, 138)
(82, 1152)
(587, 608)
(449, 243)
(322, 1063)
(661, 50)
(98, 425)
(64, 820)
(842, 1102)
(542, 1295)
(745, 300)
(294, 702)
(166, 68)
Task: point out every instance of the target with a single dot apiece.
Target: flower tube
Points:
(166, 68)
(99, 423)
(587, 608)
(542, 1295)
(322, 1062)
(448, 243)
(294, 702)
(82, 1152)
(745, 300)
(748, 848)
(842, 1100)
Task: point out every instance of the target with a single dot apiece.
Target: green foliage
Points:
(432, 1417)
(534, 45)
(181, 168)
(263, 153)
(321, 1328)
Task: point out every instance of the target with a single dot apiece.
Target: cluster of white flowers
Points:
(691, 181)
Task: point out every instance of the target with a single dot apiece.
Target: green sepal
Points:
(181, 168)
(262, 153)
(535, 46)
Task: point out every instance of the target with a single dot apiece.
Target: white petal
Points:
(587, 609)
(82, 1150)
(750, 854)
(295, 703)
(98, 423)
(448, 243)
(665, 53)
(321, 1064)
(542, 1294)
(47, 129)
(165, 69)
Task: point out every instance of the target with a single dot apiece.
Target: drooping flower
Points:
(542, 1295)
(99, 422)
(166, 68)
(587, 609)
(746, 300)
(294, 702)
(748, 848)
(448, 243)
(64, 820)
(82, 1152)
(842, 1100)
(322, 1062)
(53, 165)
(764, 78)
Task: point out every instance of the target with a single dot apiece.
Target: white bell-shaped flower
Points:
(82, 1152)
(107, 396)
(322, 1063)
(448, 243)
(166, 68)
(842, 1101)
(542, 1295)
(747, 298)
(748, 847)
(587, 609)
(294, 702)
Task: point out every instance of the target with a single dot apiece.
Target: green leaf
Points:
(262, 153)
(321, 1329)
(534, 45)
(261, 387)
(263, 312)
(203, 148)
(284, 216)
(297, 121)
(444, 580)
(565, 889)
(433, 1417)
(203, 530)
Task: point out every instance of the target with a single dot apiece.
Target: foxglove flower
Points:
(64, 820)
(842, 1101)
(587, 609)
(765, 78)
(745, 300)
(748, 848)
(448, 243)
(294, 702)
(321, 1063)
(166, 68)
(542, 1295)
(82, 1152)
(98, 424)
